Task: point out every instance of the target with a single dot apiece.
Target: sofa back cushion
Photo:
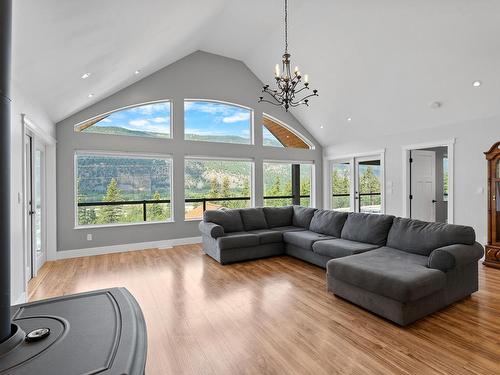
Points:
(302, 216)
(367, 228)
(421, 237)
(278, 216)
(328, 222)
(253, 218)
(230, 220)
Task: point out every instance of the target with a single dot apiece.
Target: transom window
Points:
(217, 122)
(145, 120)
(277, 134)
(122, 189)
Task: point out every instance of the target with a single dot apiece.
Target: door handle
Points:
(434, 201)
(31, 212)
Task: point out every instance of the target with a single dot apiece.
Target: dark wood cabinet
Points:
(492, 257)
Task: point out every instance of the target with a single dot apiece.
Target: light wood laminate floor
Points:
(274, 316)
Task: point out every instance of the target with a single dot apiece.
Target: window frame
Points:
(170, 125)
(252, 122)
(215, 158)
(142, 155)
(290, 129)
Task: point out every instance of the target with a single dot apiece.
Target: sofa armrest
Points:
(453, 256)
(211, 229)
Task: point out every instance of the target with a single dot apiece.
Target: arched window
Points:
(144, 120)
(277, 134)
(213, 121)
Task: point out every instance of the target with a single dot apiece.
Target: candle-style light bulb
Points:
(306, 78)
(277, 70)
(296, 70)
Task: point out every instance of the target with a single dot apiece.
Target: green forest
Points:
(117, 178)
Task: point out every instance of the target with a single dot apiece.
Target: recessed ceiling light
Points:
(90, 95)
(321, 127)
(476, 83)
(435, 105)
(349, 119)
(137, 72)
(86, 75)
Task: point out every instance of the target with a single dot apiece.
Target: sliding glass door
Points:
(356, 184)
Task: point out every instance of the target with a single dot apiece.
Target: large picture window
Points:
(145, 120)
(217, 122)
(287, 183)
(122, 189)
(213, 184)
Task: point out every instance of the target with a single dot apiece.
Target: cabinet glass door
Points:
(496, 203)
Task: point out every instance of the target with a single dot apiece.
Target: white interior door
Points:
(28, 168)
(423, 185)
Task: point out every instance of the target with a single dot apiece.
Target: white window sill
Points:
(97, 226)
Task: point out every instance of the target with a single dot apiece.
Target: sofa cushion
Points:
(304, 239)
(338, 247)
(392, 273)
(278, 216)
(368, 228)
(253, 218)
(230, 220)
(302, 216)
(420, 237)
(236, 240)
(268, 236)
(328, 222)
(289, 228)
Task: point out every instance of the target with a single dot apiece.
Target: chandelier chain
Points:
(286, 26)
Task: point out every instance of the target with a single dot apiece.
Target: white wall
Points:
(23, 105)
(472, 139)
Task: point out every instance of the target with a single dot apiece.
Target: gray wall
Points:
(198, 76)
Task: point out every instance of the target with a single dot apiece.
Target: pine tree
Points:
(111, 213)
(156, 210)
(214, 188)
(225, 191)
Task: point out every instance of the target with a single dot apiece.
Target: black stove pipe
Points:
(5, 58)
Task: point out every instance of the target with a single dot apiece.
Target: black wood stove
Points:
(99, 332)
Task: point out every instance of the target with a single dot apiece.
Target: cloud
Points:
(139, 122)
(149, 109)
(161, 120)
(237, 117)
(106, 120)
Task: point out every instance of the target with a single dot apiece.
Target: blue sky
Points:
(151, 117)
(201, 118)
(210, 118)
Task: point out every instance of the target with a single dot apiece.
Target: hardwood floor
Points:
(274, 316)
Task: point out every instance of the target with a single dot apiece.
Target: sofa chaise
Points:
(400, 269)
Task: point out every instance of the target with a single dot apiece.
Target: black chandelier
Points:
(287, 83)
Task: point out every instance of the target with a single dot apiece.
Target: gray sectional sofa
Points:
(398, 268)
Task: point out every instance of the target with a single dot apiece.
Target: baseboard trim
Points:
(21, 299)
(165, 244)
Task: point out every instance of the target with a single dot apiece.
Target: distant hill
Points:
(116, 130)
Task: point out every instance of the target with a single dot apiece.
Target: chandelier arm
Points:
(276, 99)
(267, 101)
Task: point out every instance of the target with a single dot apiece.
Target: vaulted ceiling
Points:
(380, 63)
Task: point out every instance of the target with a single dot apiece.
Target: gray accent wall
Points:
(200, 75)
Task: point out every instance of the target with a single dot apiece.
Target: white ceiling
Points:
(379, 62)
